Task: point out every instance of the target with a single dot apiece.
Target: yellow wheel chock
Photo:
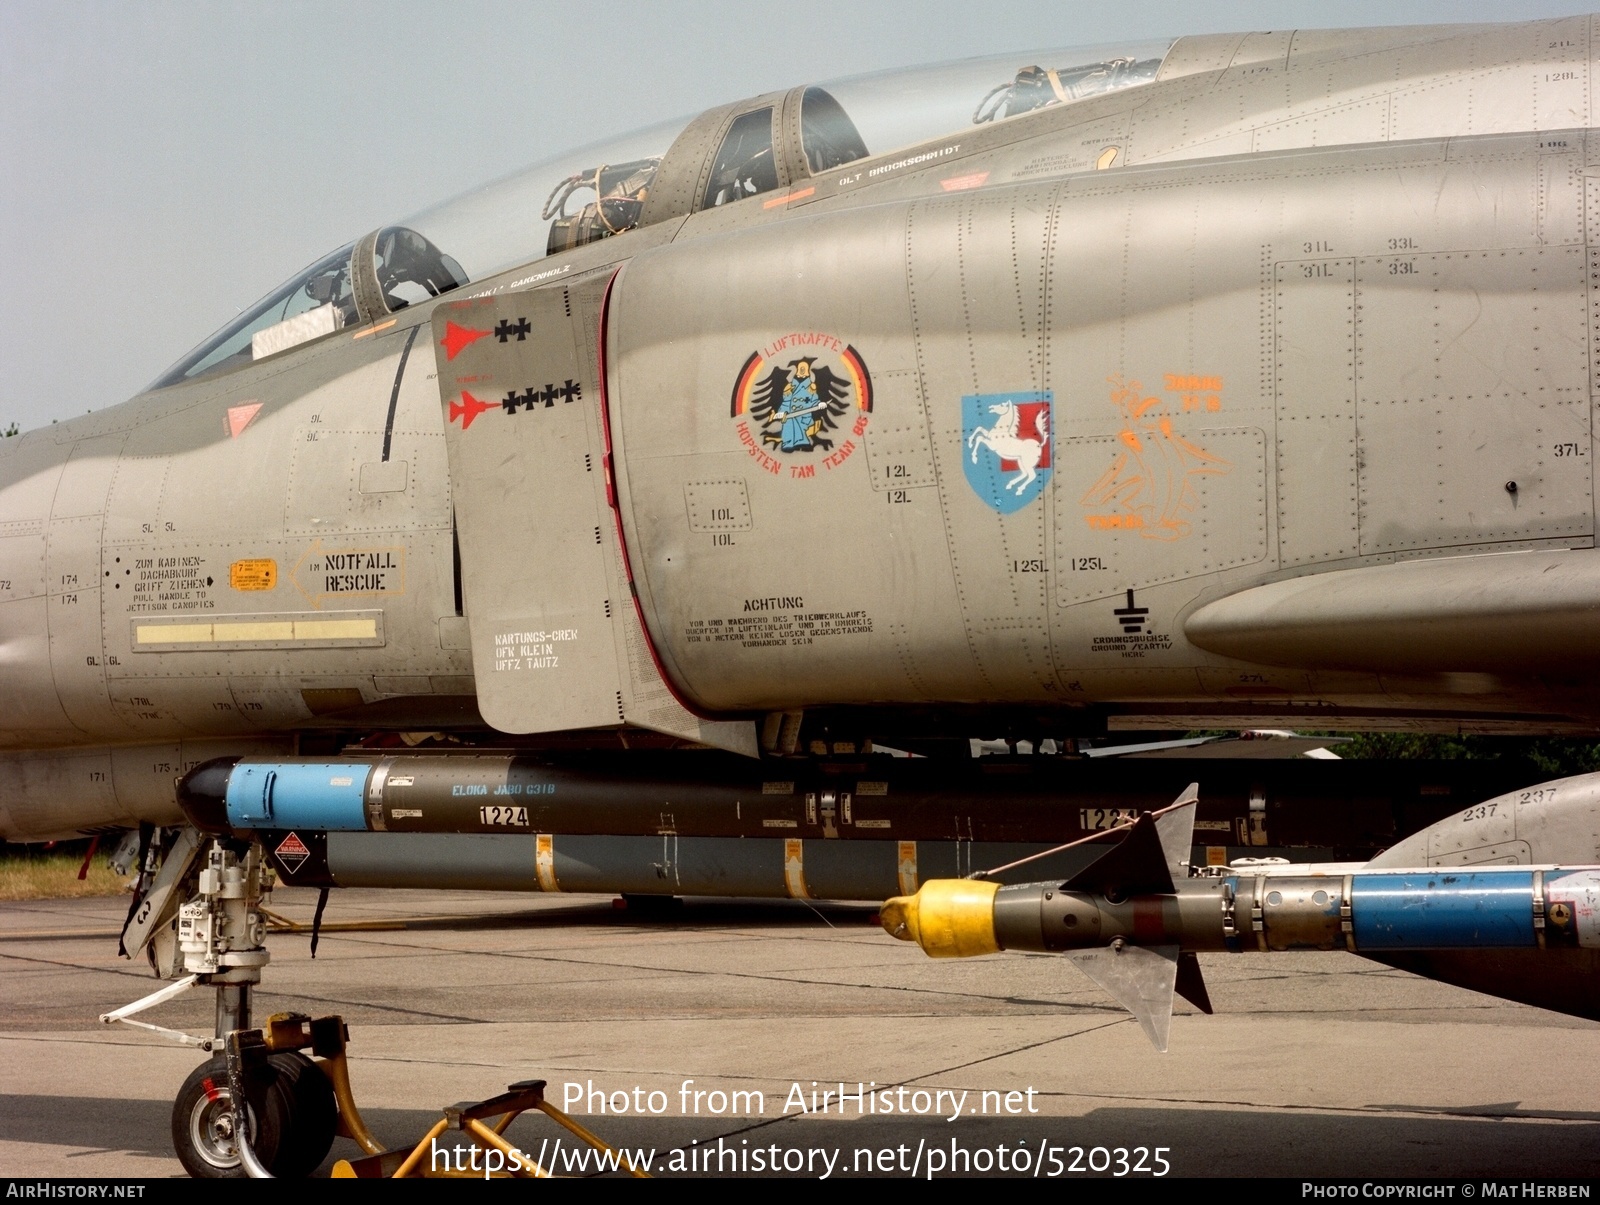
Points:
(327, 1037)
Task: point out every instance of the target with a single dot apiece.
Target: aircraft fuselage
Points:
(1042, 414)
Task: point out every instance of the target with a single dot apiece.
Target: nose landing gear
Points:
(260, 1107)
(202, 913)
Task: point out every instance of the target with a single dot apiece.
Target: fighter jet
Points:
(746, 429)
(743, 433)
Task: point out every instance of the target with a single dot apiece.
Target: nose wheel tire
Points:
(291, 1113)
(203, 1123)
(313, 1115)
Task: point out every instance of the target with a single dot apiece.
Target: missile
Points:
(679, 824)
(1313, 811)
(1134, 922)
(1131, 915)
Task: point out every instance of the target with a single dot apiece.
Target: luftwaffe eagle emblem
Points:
(796, 396)
(794, 406)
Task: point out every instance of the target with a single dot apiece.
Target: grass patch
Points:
(31, 872)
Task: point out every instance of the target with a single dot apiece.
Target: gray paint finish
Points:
(1309, 303)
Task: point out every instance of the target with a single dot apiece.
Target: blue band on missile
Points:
(322, 796)
(1441, 910)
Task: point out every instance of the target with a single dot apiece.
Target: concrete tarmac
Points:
(1314, 1064)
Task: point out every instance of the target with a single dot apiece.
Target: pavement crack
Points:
(789, 980)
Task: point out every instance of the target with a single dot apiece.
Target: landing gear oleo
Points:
(261, 1106)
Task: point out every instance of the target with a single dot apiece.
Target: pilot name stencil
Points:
(794, 397)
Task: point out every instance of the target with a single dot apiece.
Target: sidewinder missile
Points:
(1133, 921)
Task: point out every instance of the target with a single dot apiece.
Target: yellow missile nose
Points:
(948, 918)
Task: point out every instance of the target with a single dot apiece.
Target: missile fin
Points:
(1191, 984)
(1141, 978)
(1137, 866)
(1176, 829)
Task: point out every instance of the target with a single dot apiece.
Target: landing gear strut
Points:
(260, 1107)
(288, 1119)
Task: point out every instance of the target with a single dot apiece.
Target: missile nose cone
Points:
(899, 917)
(948, 918)
(203, 794)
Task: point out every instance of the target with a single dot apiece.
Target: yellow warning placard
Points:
(259, 574)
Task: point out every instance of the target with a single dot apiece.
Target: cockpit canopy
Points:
(720, 157)
(1037, 87)
(380, 274)
(619, 191)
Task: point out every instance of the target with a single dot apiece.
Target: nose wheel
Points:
(290, 1111)
(203, 1124)
(205, 905)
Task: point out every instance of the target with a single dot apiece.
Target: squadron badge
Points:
(803, 394)
(1008, 444)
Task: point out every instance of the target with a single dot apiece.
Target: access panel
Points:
(517, 379)
(556, 639)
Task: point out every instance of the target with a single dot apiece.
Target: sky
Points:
(163, 165)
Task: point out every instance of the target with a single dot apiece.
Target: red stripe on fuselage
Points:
(616, 501)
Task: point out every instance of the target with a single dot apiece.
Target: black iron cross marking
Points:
(525, 400)
(505, 330)
(533, 397)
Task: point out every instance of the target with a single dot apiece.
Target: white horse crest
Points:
(1004, 440)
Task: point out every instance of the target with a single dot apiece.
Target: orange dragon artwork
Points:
(1150, 485)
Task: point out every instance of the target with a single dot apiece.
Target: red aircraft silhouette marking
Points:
(468, 408)
(458, 337)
